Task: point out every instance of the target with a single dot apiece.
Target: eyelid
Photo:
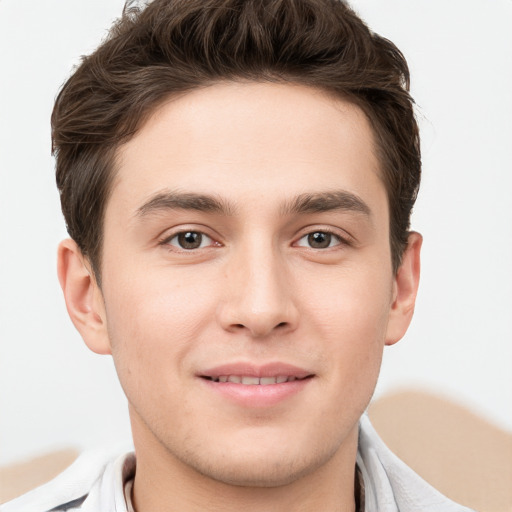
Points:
(169, 234)
(205, 239)
(344, 238)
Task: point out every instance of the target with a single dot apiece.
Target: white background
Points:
(55, 393)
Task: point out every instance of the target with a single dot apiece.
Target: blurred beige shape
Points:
(457, 451)
(16, 479)
(464, 456)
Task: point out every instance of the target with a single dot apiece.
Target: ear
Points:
(405, 288)
(84, 300)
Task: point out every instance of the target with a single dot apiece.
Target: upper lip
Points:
(246, 369)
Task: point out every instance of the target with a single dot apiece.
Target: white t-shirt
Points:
(97, 482)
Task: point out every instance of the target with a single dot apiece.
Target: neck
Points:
(164, 483)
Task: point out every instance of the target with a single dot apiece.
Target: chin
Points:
(250, 473)
(257, 462)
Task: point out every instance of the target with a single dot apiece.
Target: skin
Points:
(255, 291)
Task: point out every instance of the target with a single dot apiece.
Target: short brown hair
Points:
(174, 46)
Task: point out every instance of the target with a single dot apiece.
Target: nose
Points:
(258, 298)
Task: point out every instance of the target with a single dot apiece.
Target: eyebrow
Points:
(307, 203)
(327, 201)
(171, 200)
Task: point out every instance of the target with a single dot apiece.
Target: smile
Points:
(256, 386)
(254, 381)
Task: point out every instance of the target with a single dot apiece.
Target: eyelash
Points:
(168, 239)
(341, 241)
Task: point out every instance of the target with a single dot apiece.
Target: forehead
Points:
(249, 142)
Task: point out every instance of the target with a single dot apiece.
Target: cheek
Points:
(153, 324)
(350, 302)
(350, 311)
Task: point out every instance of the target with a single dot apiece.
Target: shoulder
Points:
(97, 475)
(387, 479)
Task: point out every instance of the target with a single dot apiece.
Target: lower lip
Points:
(258, 395)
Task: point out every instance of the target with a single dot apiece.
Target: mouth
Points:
(250, 385)
(250, 374)
(248, 380)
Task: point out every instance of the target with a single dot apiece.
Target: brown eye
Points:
(189, 240)
(319, 240)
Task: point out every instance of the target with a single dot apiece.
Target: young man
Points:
(237, 178)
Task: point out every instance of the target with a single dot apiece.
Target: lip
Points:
(245, 369)
(256, 396)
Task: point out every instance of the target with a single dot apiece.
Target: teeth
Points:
(252, 381)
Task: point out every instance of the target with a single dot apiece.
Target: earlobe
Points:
(84, 300)
(405, 288)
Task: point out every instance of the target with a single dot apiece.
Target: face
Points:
(247, 290)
